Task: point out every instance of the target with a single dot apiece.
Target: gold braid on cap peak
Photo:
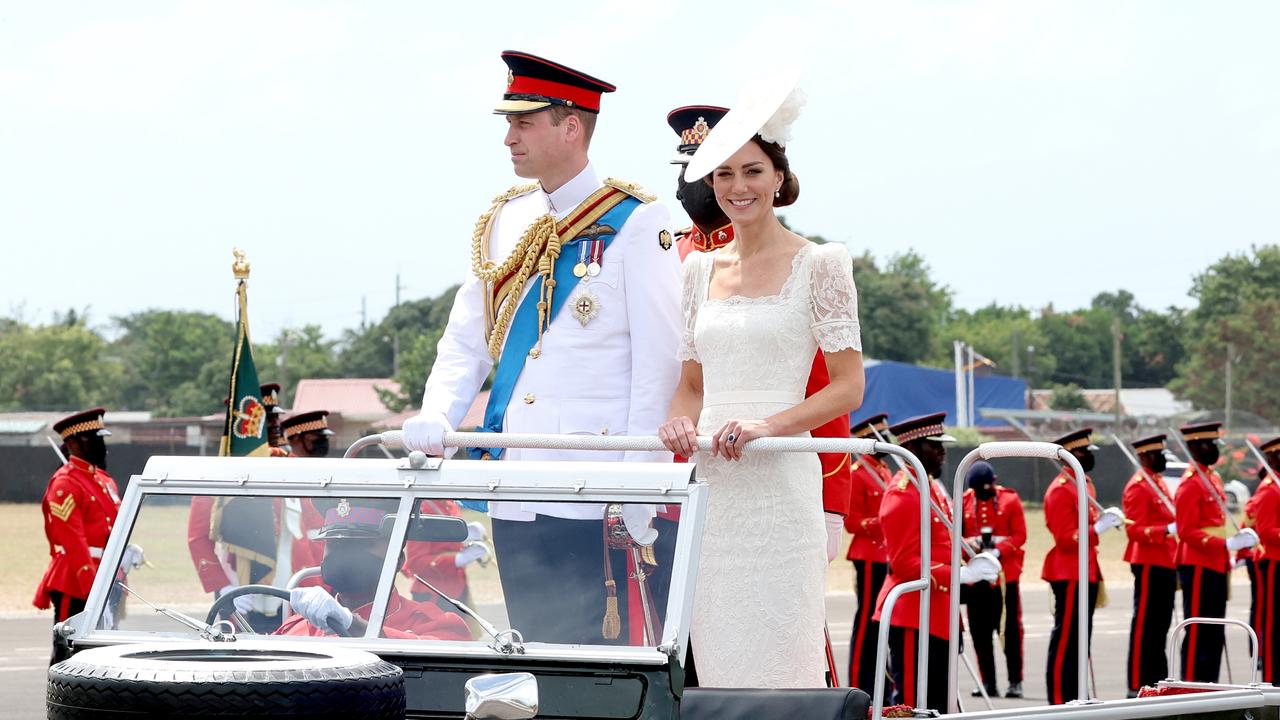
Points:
(520, 264)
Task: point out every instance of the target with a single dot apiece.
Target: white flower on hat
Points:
(778, 129)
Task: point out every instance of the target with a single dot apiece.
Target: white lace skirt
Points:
(759, 607)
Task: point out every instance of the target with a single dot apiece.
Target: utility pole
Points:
(1231, 356)
(1017, 355)
(961, 404)
(1115, 369)
(364, 312)
(395, 336)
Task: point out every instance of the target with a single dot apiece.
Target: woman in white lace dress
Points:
(756, 312)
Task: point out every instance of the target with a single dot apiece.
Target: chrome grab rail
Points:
(1173, 646)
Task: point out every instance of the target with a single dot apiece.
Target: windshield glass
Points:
(315, 566)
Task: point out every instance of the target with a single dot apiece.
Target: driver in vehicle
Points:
(356, 534)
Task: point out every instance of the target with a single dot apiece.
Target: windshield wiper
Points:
(209, 632)
(507, 642)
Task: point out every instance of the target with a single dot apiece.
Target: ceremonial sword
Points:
(1262, 459)
(1222, 503)
(1142, 471)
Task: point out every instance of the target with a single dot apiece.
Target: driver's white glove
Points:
(476, 531)
(319, 608)
(132, 558)
(835, 530)
(475, 550)
(425, 432)
(983, 567)
(243, 603)
(1246, 538)
(638, 519)
(1111, 518)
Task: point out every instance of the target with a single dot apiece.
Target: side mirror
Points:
(437, 528)
(508, 696)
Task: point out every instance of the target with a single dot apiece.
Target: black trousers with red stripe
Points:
(1154, 588)
(903, 656)
(867, 580)
(1204, 594)
(1062, 671)
(984, 604)
(1268, 585)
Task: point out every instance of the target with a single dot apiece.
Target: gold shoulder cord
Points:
(527, 255)
(631, 189)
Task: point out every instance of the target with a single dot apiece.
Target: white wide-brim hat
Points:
(756, 107)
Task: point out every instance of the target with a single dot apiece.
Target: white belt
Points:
(738, 397)
(94, 552)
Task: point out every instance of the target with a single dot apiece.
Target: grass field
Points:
(169, 580)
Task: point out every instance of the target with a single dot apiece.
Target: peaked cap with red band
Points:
(535, 84)
(924, 427)
(1077, 440)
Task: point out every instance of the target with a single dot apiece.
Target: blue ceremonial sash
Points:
(523, 334)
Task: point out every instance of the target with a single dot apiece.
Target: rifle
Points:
(1142, 471)
(1208, 485)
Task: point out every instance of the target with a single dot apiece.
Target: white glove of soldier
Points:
(835, 528)
(319, 608)
(476, 531)
(425, 432)
(132, 558)
(638, 519)
(1246, 538)
(1111, 518)
(983, 567)
(1173, 528)
(243, 603)
(473, 551)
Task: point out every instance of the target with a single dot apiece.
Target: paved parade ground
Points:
(24, 649)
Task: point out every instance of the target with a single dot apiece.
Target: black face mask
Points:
(984, 492)
(699, 201)
(1205, 453)
(350, 570)
(316, 446)
(1086, 461)
(93, 449)
(1155, 462)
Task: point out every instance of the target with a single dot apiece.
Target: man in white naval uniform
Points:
(604, 362)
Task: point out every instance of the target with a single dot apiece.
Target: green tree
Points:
(370, 352)
(1228, 284)
(1067, 397)
(294, 354)
(175, 362)
(56, 367)
(899, 307)
(415, 362)
(1251, 330)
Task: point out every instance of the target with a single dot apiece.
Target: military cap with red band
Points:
(1202, 432)
(924, 427)
(867, 428)
(88, 422)
(1076, 440)
(313, 421)
(535, 84)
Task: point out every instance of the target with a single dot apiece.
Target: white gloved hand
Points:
(1173, 528)
(473, 551)
(476, 531)
(835, 530)
(1246, 538)
(1111, 518)
(983, 567)
(425, 432)
(243, 603)
(319, 608)
(638, 519)
(132, 558)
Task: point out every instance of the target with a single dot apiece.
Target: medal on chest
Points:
(586, 306)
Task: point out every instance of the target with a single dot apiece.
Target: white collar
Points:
(570, 195)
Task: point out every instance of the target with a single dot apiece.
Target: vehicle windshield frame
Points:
(588, 482)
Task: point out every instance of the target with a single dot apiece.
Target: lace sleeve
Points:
(834, 300)
(689, 304)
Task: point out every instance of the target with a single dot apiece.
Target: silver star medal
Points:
(586, 306)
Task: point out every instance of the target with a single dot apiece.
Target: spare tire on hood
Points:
(243, 678)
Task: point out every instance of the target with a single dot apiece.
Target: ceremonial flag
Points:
(245, 430)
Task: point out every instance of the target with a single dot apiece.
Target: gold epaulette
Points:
(631, 189)
(515, 191)
(904, 482)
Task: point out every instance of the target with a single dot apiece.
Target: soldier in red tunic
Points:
(1266, 521)
(994, 522)
(900, 523)
(308, 433)
(1061, 568)
(79, 509)
(1204, 550)
(871, 477)
(1152, 545)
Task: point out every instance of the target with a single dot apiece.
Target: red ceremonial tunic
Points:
(406, 620)
(435, 562)
(1060, 516)
(1266, 519)
(306, 552)
(1149, 540)
(79, 509)
(836, 477)
(1202, 530)
(1003, 514)
(870, 479)
(900, 521)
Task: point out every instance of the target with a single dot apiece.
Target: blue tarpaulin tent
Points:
(905, 391)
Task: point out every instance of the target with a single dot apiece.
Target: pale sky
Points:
(1033, 152)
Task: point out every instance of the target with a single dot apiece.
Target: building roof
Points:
(1136, 402)
(354, 398)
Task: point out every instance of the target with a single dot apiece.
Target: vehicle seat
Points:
(751, 704)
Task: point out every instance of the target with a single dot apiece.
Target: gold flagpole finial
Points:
(241, 266)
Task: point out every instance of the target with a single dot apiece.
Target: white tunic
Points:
(614, 376)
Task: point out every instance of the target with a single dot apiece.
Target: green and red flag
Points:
(245, 430)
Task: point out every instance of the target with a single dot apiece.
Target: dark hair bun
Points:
(789, 192)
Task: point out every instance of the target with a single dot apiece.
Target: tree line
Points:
(175, 363)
